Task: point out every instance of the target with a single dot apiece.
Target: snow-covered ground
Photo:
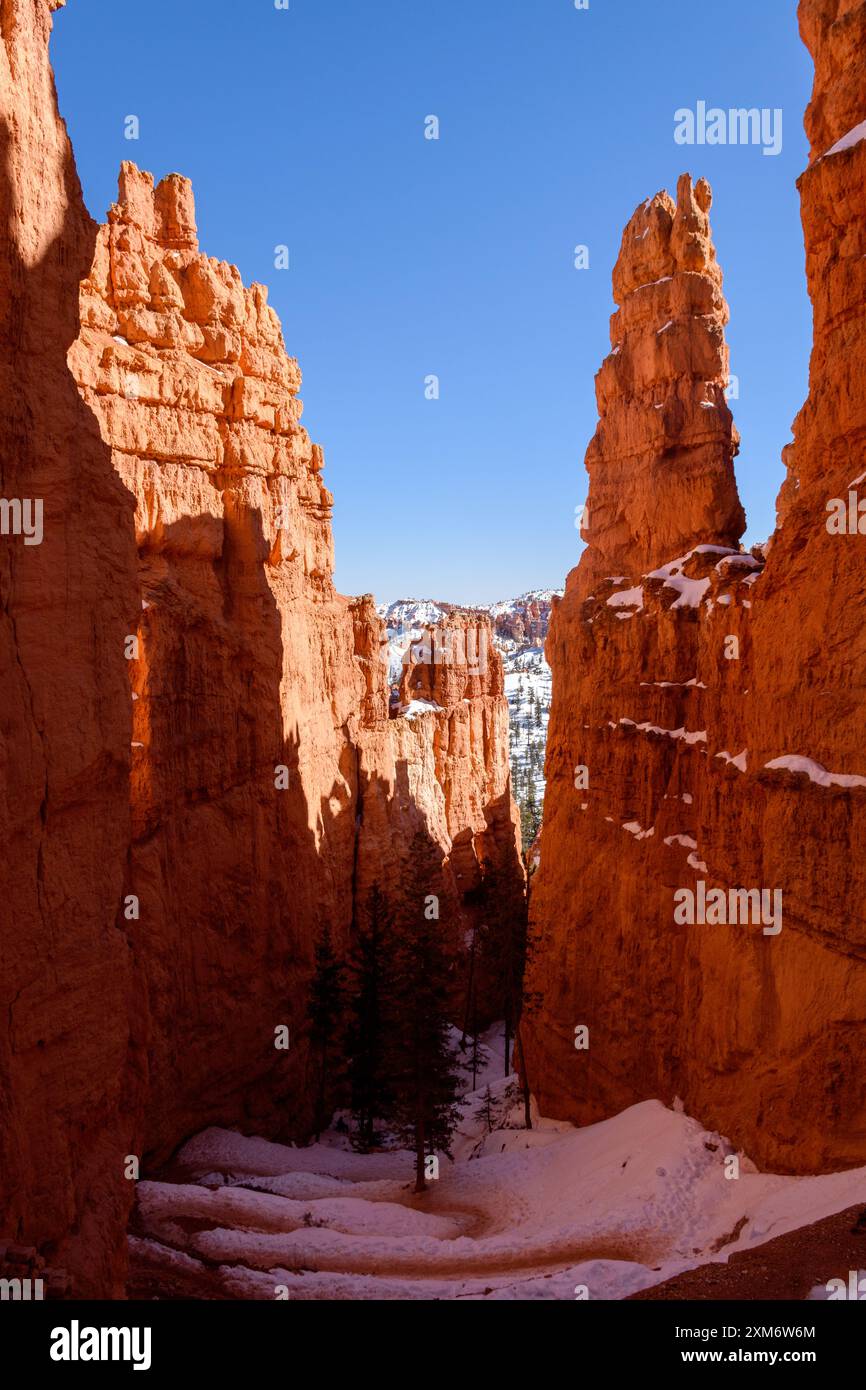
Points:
(551, 1213)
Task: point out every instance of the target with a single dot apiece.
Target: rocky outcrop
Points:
(200, 774)
(706, 736)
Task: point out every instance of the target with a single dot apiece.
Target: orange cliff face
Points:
(707, 735)
(457, 671)
(269, 788)
(70, 1087)
(199, 769)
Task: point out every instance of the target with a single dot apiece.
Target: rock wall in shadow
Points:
(70, 1085)
(199, 774)
(269, 788)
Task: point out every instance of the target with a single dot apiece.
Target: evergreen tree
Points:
(470, 1017)
(504, 947)
(324, 1012)
(425, 1073)
(371, 1014)
(530, 817)
(530, 1004)
(487, 1110)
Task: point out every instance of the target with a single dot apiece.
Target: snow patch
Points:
(689, 591)
(685, 840)
(634, 828)
(848, 141)
(416, 707)
(627, 598)
(816, 773)
(739, 762)
(697, 736)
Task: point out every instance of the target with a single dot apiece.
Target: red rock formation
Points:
(199, 769)
(249, 662)
(760, 1035)
(661, 462)
(69, 1086)
(456, 669)
(525, 620)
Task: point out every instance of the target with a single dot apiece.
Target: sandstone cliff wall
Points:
(716, 700)
(70, 1086)
(199, 772)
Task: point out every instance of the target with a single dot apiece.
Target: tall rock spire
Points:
(661, 460)
(708, 723)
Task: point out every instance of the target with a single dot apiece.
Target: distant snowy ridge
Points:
(519, 631)
(414, 611)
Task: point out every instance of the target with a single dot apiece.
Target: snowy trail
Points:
(607, 1210)
(222, 1228)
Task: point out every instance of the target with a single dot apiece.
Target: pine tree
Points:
(372, 1008)
(530, 818)
(530, 1005)
(425, 1073)
(324, 1012)
(504, 949)
(488, 1110)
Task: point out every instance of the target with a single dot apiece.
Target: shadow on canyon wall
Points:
(68, 1091)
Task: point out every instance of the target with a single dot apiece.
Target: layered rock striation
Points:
(707, 726)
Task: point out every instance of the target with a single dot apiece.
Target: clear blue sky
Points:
(411, 257)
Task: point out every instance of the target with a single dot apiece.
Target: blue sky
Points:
(412, 257)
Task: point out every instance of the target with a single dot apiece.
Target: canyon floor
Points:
(603, 1212)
